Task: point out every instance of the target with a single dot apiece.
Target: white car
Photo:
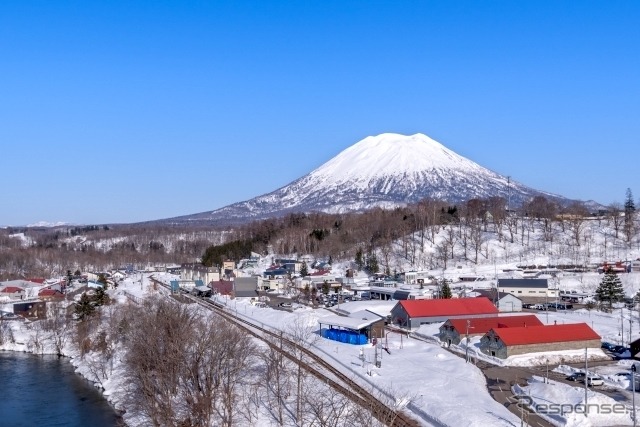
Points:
(593, 380)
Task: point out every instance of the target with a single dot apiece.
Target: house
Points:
(199, 272)
(505, 342)
(413, 313)
(453, 330)
(505, 302)
(418, 277)
(538, 288)
(221, 287)
(13, 293)
(245, 287)
(50, 294)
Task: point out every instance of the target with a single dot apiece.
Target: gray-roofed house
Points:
(505, 302)
(528, 288)
(245, 287)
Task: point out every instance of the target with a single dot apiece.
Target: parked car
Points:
(607, 346)
(593, 380)
(286, 304)
(576, 376)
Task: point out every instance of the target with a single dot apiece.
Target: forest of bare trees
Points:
(466, 227)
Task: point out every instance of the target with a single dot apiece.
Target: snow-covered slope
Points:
(387, 170)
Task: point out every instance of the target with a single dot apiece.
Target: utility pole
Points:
(621, 327)
(466, 350)
(586, 383)
(547, 377)
(633, 391)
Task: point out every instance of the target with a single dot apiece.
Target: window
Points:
(519, 292)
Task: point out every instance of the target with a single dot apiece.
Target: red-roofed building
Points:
(505, 342)
(222, 287)
(50, 294)
(413, 313)
(453, 330)
(13, 292)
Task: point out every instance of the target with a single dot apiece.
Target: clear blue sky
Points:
(126, 111)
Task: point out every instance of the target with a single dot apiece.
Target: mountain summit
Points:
(386, 170)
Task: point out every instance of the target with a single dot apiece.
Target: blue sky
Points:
(126, 111)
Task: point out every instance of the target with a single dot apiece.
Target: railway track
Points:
(336, 379)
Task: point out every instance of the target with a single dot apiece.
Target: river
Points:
(45, 391)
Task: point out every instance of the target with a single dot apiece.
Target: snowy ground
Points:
(563, 405)
(439, 384)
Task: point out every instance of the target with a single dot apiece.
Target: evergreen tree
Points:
(629, 214)
(101, 297)
(445, 291)
(610, 289)
(325, 288)
(372, 263)
(314, 294)
(102, 279)
(84, 308)
(359, 259)
(304, 270)
(69, 277)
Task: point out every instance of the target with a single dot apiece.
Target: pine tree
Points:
(102, 279)
(359, 259)
(325, 288)
(629, 214)
(610, 289)
(446, 291)
(304, 270)
(84, 308)
(372, 263)
(101, 297)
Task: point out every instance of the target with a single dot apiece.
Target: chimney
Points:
(555, 322)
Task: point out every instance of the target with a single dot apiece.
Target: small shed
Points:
(505, 342)
(348, 330)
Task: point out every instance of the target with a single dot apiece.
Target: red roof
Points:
(482, 325)
(49, 293)
(320, 273)
(12, 289)
(546, 334)
(448, 307)
(222, 287)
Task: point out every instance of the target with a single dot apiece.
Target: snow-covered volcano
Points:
(387, 170)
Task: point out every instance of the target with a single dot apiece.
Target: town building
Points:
(413, 313)
(537, 288)
(246, 287)
(196, 271)
(454, 330)
(504, 302)
(505, 342)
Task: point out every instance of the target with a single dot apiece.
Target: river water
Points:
(45, 391)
